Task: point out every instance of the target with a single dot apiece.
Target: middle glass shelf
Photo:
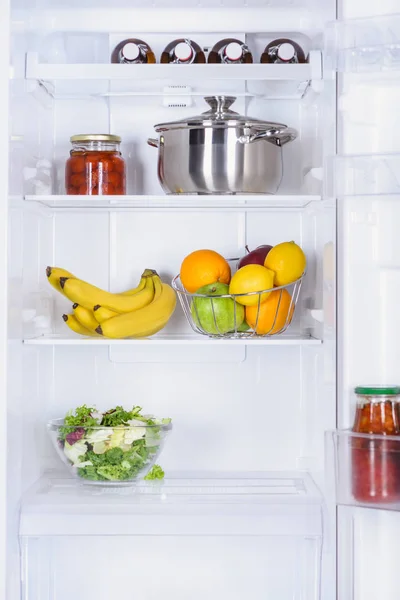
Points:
(173, 202)
(173, 340)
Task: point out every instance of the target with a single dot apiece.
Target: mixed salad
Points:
(112, 446)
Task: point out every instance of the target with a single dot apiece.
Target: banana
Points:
(146, 321)
(74, 324)
(146, 273)
(101, 314)
(54, 274)
(85, 317)
(89, 296)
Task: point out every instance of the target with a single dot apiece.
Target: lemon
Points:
(288, 262)
(251, 278)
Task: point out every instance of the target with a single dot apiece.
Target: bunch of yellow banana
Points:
(140, 312)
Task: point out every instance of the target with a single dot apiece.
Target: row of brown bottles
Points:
(229, 51)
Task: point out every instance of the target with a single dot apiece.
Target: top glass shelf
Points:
(103, 79)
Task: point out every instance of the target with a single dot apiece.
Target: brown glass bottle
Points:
(183, 52)
(132, 52)
(230, 51)
(283, 50)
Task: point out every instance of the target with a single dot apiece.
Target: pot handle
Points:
(276, 136)
(153, 142)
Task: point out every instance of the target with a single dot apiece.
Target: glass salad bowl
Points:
(118, 455)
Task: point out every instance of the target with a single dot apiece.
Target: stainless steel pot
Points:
(221, 152)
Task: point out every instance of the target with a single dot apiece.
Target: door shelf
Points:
(174, 340)
(366, 466)
(172, 202)
(367, 45)
(366, 175)
(257, 504)
(104, 79)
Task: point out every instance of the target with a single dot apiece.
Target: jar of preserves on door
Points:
(376, 462)
(95, 166)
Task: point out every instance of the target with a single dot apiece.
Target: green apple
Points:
(216, 315)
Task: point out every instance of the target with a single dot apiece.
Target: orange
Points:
(203, 267)
(288, 262)
(251, 278)
(273, 313)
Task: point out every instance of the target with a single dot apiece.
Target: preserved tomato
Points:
(376, 462)
(95, 166)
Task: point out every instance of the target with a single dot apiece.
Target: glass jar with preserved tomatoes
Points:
(376, 462)
(95, 166)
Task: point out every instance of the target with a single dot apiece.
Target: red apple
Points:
(255, 257)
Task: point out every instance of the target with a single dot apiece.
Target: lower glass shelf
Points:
(367, 469)
(173, 340)
(256, 504)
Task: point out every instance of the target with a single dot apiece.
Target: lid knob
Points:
(220, 104)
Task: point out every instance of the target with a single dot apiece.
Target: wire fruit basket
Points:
(224, 316)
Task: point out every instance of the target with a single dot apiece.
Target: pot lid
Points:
(220, 115)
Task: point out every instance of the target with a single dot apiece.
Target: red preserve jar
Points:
(95, 166)
(376, 462)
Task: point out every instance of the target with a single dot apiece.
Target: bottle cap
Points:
(233, 51)
(377, 390)
(130, 51)
(183, 51)
(286, 51)
(95, 137)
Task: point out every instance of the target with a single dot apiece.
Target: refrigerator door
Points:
(364, 48)
(8, 538)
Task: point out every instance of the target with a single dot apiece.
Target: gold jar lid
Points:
(95, 137)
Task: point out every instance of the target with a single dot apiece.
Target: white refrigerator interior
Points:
(248, 506)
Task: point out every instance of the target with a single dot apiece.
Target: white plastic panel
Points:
(367, 560)
(172, 567)
(205, 16)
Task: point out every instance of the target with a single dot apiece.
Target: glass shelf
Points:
(183, 504)
(173, 340)
(105, 79)
(178, 202)
(96, 71)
